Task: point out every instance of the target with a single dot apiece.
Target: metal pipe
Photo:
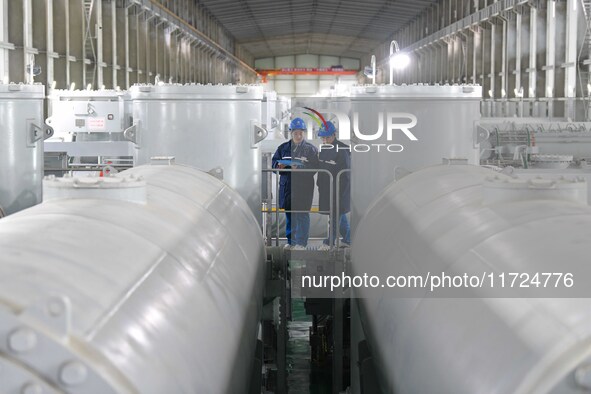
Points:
(331, 213)
(393, 46)
(276, 208)
(373, 69)
(22, 132)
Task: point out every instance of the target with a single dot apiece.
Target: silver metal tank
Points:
(92, 115)
(89, 126)
(22, 131)
(283, 108)
(445, 117)
(444, 218)
(151, 292)
(204, 126)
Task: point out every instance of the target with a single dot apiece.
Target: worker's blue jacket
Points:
(296, 190)
(335, 160)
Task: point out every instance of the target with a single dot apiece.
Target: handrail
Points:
(303, 170)
(338, 190)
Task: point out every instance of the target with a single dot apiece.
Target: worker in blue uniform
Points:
(335, 156)
(296, 190)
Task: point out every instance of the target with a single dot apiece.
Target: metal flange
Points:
(35, 353)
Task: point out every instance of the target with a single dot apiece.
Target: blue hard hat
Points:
(328, 130)
(297, 124)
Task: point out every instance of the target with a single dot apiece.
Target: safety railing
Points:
(338, 205)
(330, 212)
(333, 224)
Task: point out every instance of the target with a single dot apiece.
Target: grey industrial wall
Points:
(117, 43)
(518, 50)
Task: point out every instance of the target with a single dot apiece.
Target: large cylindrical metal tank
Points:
(444, 128)
(116, 292)
(276, 118)
(206, 127)
(22, 130)
(444, 218)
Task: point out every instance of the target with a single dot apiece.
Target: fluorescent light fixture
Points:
(399, 61)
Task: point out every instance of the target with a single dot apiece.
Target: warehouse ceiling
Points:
(350, 28)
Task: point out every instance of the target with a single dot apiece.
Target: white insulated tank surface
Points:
(440, 219)
(160, 294)
(22, 131)
(204, 126)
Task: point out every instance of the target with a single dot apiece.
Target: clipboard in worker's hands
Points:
(294, 163)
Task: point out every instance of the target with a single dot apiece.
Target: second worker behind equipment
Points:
(334, 156)
(296, 190)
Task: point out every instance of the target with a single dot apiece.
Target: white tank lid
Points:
(417, 91)
(551, 158)
(22, 91)
(103, 94)
(196, 92)
(504, 189)
(121, 187)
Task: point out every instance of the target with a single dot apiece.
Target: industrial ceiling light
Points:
(398, 60)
